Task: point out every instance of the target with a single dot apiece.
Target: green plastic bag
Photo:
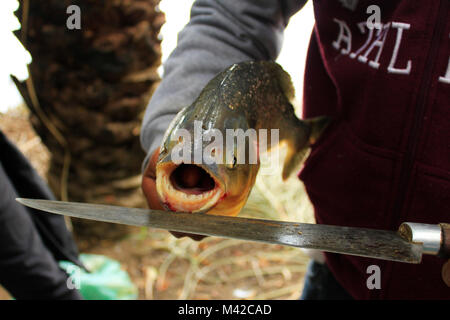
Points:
(106, 280)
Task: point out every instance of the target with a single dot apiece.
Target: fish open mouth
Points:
(187, 187)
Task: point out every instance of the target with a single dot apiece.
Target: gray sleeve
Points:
(219, 33)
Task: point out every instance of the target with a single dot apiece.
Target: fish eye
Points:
(232, 165)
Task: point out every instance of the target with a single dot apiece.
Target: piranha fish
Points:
(252, 94)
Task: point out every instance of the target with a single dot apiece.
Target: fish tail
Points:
(293, 161)
(317, 127)
(298, 147)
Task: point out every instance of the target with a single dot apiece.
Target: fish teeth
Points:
(169, 188)
(184, 201)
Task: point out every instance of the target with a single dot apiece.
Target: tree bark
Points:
(87, 91)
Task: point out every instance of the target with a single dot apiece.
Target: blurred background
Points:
(74, 108)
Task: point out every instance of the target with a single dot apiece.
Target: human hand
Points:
(149, 188)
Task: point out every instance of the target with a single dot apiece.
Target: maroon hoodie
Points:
(386, 158)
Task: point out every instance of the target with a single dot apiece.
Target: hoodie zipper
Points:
(410, 155)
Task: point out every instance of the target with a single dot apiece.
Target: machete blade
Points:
(372, 243)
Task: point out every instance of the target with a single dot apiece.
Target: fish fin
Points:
(299, 150)
(293, 161)
(317, 126)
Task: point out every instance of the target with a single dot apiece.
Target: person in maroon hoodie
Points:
(384, 160)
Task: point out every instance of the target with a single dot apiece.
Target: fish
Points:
(248, 95)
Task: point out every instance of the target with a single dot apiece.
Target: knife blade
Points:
(364, 242)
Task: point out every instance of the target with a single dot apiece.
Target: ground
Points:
(163, 267)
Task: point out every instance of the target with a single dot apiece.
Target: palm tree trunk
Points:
(87, 90)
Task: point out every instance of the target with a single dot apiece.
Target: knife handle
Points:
(435, 238)
(445, 243)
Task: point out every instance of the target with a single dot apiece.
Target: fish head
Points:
(218, 181)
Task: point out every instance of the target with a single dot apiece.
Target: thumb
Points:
(148, 183)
